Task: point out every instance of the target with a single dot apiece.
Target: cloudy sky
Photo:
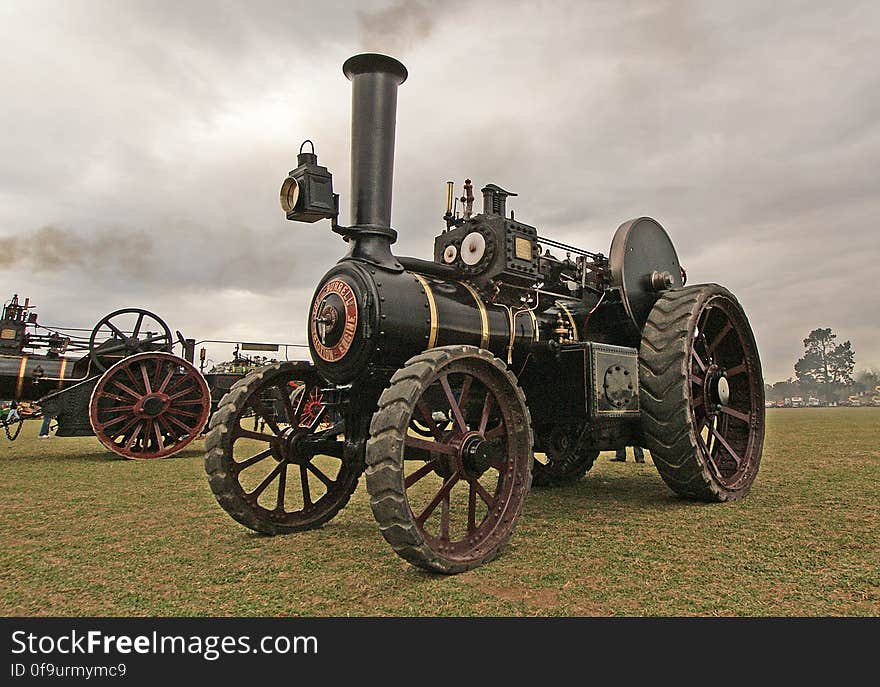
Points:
(142, 145)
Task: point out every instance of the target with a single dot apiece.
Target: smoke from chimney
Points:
(396, 28)
(52, 248)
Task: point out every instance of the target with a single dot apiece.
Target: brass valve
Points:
(562, 330)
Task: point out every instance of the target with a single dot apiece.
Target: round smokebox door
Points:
(334, 320)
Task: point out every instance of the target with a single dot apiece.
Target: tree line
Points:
(825, 371)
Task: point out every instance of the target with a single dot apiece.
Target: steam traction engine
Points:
(121, 383)
(441, 378)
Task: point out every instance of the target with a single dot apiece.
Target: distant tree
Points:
(825, 362)
(867, 380)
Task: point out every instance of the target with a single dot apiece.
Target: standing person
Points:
(44, 428)
(638, 454)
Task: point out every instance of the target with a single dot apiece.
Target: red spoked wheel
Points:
(149, 406)
(450, 502)
(312, 407)
(292, 469)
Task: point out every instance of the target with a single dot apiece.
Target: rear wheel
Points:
(702, 393)
(565, 460)
(449, 502)
(278, 459)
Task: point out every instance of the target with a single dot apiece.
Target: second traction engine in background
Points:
(509, 359)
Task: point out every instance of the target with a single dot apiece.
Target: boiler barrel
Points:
(27, 378)
(364, 317)
(451, 312)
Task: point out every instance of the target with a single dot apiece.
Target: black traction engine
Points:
(508, 360)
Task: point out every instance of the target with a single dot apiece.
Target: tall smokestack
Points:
(374, 80)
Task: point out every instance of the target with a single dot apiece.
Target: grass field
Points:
(86, 534)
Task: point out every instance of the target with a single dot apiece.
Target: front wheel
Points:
(278, 459)
(449, 502)
(702, 393)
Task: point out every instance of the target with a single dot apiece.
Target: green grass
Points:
(86, 534)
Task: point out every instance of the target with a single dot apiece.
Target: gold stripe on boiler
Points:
(61, 372)
(432, 308)
(484, 316)
(20, 383)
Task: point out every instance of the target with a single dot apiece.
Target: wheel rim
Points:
(286, 452)
(725, 394)
(461, 484)
(149, 406)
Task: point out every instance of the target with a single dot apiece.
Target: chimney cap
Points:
(497, 190)
(374, 62)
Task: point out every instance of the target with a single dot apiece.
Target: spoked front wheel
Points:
(277, 457)
(449, 502)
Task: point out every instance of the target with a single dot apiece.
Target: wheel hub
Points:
(476, 455)
(445, 464)
(473, 456)
(723, 391)
(717, 387)
(292, 447)
(152, 405)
